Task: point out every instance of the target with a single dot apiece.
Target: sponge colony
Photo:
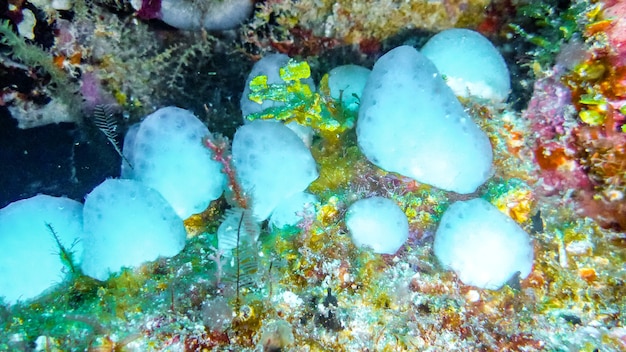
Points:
(484, 247)
(378, 223)
(126, 224)
(30, 262)
(471, 64)
(411, 123)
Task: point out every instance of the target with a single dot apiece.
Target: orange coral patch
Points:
(598, 27)
(75, 58)
(515, 142)
(58, 61)
(587, 274)
(550, 159)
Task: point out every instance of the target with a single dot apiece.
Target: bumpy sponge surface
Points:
(30, 262)
(410, 122)
(126, 224)
(471, 64)
(378, 223)
(167, 154)
(272, 163)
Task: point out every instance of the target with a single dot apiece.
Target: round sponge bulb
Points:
(484, 247)
(126, 224)
(410, 122)
(378, 223)
(167, 154)
(471, 64)
(272, 164)
(31, 261)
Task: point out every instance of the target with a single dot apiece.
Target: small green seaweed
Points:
(299, 102)
(65, 253)
(552, 26)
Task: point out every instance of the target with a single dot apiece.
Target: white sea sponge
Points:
(471, 64)
(291, 210)
(31, 258)
(126, 224)
(378, 223)
(410, 122)
(484, 247)
(272, 163)
(195, 15)
(167, 154)
(346, 84)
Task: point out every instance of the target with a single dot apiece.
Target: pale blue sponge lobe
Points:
(483, 246)
(410, 122)
(346, 84)
(167, 154)
(126, 224)
(377, 223)
(471, 64)
(31, 259)
(272, 164)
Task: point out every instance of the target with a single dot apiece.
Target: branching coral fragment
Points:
(221, 153)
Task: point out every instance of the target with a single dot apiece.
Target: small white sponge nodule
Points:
(484, 247)
(346, 84)
(126, 224)
(410, 122)
(167, 154)
(471, 64)
(31, 260)
(271, 163)
(378, 223)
